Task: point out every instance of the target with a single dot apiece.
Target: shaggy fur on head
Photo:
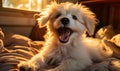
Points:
(66, 47)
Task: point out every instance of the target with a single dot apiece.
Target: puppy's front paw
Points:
(26, 66)
(52, 70)
(110, 64)
(103, 66)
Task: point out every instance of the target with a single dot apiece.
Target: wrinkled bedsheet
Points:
(15, 48)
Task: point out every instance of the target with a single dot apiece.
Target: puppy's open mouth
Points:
(64, 34)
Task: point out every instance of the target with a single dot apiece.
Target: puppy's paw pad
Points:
(22, 69)
(25, 66)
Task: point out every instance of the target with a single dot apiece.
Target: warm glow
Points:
(116, 63)
(38, 1)
(31, 5)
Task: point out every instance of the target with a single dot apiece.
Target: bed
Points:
(15, 48)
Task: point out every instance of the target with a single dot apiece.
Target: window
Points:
(30, 5)
(24, 8)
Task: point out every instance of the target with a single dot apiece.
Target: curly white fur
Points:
(75, 54)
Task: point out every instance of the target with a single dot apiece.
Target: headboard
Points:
(107, 11)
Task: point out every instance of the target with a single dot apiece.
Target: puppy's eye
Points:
(74, 17)
(58, 15)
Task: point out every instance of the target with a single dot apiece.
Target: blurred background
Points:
(31, 5)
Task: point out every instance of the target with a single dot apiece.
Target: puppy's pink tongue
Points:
(64, 37)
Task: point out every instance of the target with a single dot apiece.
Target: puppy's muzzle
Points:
(65, 21)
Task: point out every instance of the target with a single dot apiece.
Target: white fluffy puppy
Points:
(66, 47)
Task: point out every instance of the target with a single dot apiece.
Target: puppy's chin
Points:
(64, 34)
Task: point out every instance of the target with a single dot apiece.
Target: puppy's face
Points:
(68, 21)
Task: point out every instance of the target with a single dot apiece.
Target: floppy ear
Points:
(90, 23)
(89, 18)
(43, 20)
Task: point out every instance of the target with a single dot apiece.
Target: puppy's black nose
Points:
(22, 69)
(65, 21)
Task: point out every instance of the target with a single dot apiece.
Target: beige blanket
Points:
(15, 48)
